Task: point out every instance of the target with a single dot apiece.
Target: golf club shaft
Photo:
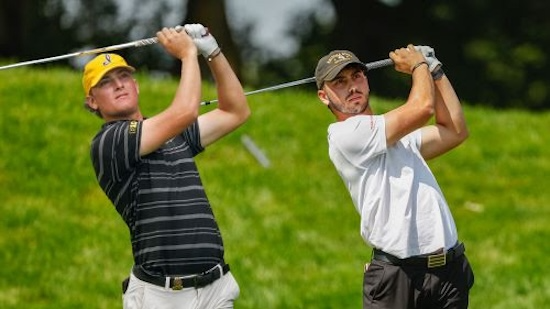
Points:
(138, 43)
(370, 66)
(153, 40)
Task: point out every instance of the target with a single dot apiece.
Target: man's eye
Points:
(103, 82)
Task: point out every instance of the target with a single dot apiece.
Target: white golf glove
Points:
(433, 63)
(205, 42)
(429, 54)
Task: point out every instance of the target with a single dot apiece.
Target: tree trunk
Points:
(212, 14)
(12, 27)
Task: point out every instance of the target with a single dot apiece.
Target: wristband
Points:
(438, 74)
(419, 64)
(213, 55)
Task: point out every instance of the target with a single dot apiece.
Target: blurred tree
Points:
(12, 18)
(499, 50)
(212, 14)
(31, 29)
(495, 51)
(491, 60)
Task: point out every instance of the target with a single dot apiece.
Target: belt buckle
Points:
(437, 260)
(178, 284)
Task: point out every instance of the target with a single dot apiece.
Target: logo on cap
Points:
(339, 57)
(107, 60)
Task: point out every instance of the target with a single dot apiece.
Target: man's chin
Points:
(358, 108)
(126, 114)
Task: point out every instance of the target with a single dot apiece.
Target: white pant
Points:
(219, 294)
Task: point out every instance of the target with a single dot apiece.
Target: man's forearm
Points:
(448, 110)
(229, 89)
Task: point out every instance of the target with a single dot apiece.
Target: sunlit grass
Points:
(290, 231)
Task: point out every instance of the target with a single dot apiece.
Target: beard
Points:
(350, 109)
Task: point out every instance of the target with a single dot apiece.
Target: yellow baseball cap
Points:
(99, 66)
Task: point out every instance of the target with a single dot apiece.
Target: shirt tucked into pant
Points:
(386, 285)
(220, 294)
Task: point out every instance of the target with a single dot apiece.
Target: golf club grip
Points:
(378, 64)
(153, 40)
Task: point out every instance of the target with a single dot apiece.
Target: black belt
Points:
(178, 283)
(429, 261)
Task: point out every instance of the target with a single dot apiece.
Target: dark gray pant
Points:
(395, 287)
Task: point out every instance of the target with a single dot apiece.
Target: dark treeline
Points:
(495, 51)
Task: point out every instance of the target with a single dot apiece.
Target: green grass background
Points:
(290, 230)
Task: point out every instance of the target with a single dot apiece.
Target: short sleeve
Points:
(358, 139)
(193, 139)
(115, 149)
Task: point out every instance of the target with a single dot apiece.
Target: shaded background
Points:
(289, 230)
(495, 51)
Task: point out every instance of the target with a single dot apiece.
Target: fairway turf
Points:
(290, 231)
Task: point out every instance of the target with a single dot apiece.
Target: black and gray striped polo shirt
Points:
(160, 197)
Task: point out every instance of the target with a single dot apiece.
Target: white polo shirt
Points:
(403, 211)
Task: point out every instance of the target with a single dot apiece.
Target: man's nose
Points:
(118, 83)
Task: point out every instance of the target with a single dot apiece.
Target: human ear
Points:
(91, 104)
(323, 97)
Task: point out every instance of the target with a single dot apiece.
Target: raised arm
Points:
(232, 110)
(449, 129)
(419, 107)
(184, 109)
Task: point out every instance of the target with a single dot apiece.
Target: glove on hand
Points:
(429, 54)
(205, 42)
